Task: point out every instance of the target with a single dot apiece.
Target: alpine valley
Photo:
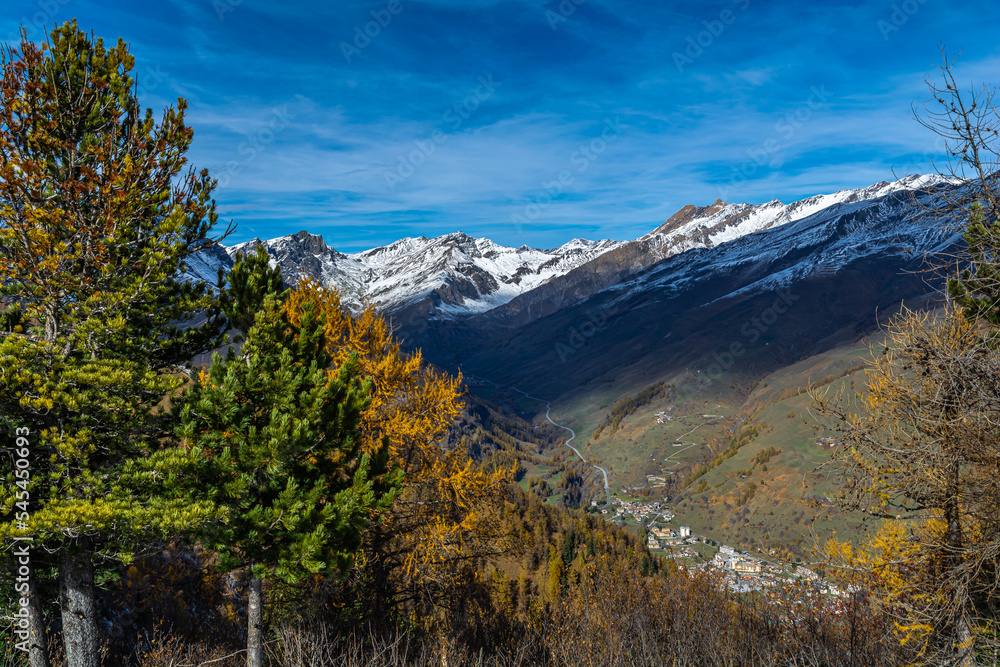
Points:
(684, 360)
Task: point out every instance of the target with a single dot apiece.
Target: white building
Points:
(745, 565)
(685, 531)
(721, 561)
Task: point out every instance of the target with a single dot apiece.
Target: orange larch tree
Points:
(448, 516)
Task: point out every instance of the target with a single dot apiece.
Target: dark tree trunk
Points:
(79, 611)
(38, 655)
(255, 624)
(965, 654)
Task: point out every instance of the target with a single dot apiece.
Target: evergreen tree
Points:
(557, 570)
(273, 436)
(97, 218)
(569, 546)
(250, 281)
(447, 518)
(977, 287)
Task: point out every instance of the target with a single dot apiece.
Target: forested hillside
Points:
(255, 471)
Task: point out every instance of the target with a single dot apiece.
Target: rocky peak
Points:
(688, 213)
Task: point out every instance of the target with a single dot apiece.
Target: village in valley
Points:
(741, 572)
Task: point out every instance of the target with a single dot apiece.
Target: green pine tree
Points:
(250, 281)
(977, 287)
(274, 437)
(98, 215)
(557, 573)
(569, 546)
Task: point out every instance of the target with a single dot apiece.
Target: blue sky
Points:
(533, 122)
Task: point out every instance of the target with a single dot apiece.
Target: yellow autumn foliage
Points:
(447, 511)
(920, 454)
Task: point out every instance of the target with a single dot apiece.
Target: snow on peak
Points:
(706, 227)
(456, 274)
(826, 233)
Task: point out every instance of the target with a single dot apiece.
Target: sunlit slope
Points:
(752, 464)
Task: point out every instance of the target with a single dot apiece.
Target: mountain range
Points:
(835, 260)
(456, 276)
(743, 309)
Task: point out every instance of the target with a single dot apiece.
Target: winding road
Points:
(713, 420)
(693, 444)
(548, 409)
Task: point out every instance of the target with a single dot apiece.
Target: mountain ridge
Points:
(419, 280)
(716, 297)
(847, 260)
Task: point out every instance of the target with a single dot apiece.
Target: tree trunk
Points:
(964, 648)
(79, 611)
(965, 654)
(38, 655)
(51, 323)
(255, 624)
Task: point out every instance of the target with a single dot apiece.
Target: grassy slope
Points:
(783, 513)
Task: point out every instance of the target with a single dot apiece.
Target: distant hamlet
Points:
(758, 434)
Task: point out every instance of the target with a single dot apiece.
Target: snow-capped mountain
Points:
(814, 276)
(205, 265)
(691, 228)
(814, 237)
(708, 226)
(443, 277)
(457, 276)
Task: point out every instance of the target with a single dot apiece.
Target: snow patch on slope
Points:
(456, 275)
(467, 275)
(734, 221)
